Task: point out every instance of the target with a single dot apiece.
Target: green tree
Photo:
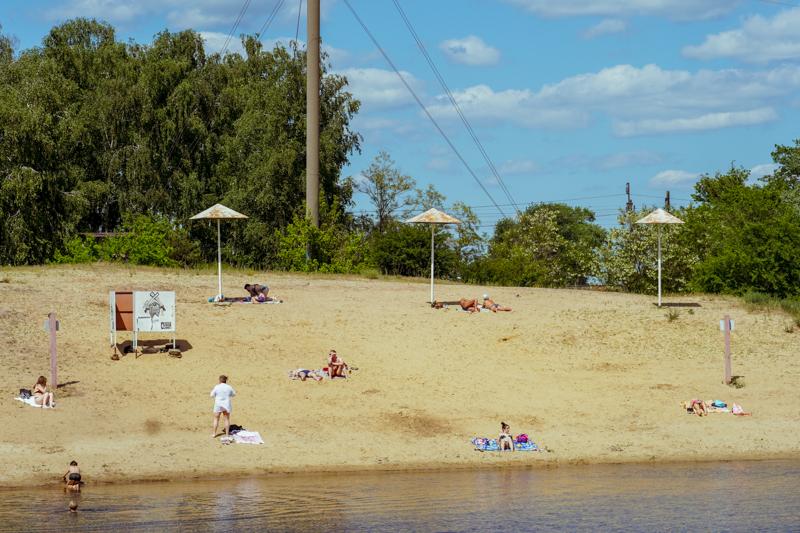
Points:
(387, 189)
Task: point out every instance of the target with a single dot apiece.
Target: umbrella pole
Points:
(659, 265)
(432, 242)
(219, 261)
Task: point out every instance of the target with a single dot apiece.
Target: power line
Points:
(453, 101)
(270, 18)
(297, 29)
(424, 109)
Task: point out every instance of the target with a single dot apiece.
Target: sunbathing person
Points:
(258, 292)
(488, 303)
(40, 394)
(336, 366)
(469, 305)
(303, 374)
(505, 439)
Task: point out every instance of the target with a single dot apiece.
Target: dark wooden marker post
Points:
(52, 325)
(726, 324)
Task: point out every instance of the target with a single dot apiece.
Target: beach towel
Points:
(248, 437)
(243, 300)
(526, 447)
(30, 401)
(485, 445)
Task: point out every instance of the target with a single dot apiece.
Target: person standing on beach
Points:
(222, 394)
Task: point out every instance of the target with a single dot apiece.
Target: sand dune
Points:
(591, 376)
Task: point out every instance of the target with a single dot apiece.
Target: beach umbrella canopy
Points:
(218, 212)
(659, 216)
(433, 217)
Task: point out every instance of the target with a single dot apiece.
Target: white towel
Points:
(248, 437)
(30, 401)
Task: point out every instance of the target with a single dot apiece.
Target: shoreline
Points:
(234, 476)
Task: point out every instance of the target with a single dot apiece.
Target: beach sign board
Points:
(141, 311)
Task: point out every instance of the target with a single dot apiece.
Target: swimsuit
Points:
(74, 477)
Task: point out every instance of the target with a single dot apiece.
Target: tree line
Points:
(131, 139)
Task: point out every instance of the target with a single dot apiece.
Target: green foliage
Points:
(747, 236)
(673, 315)
(143, 241)
(332, 247)
(405, 250)
(550, 245)
(94, 132)
(630, 255)
(387, 188)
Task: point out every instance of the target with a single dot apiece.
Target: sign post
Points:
(52, 325)
(726, 325)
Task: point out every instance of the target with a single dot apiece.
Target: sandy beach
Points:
(593, 377)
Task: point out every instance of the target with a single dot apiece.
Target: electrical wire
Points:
(271, 17)
(424, 109)
(453, 101)
(297, 29)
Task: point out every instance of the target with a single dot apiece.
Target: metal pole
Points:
(52, 324)
(659, 265)
(219, 261)
(312, 113)
(727, 327)
(432, 243)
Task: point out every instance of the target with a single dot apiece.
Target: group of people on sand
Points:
(337, 368)
(473, 306)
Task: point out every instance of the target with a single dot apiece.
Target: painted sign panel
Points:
(154, 310)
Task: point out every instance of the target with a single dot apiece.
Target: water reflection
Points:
(713, 496)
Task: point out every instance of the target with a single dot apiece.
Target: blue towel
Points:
(526, 447)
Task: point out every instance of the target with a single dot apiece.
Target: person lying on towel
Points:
(488, 303)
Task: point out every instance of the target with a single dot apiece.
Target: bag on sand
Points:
(25, 394)
(522, 438)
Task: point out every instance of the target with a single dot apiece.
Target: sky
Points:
(569, 99)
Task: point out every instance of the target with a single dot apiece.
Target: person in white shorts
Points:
(222, 394)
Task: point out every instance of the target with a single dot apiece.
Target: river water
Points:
(735, 496)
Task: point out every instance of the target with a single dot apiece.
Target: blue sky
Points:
(570, 98)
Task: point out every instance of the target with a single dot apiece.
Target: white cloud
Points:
(605, 27)
(215, 42)
(517, 167)
(674, 9)
(765, 169)
(637, 100)
(470, 50)
(378, 88)
(710, 121)
(672, 178)
(759, 40)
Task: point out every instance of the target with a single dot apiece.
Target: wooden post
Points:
(52, 324)
(727, 327)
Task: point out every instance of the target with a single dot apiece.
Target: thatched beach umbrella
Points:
(659, 216)
(218, 212)
(433, 217)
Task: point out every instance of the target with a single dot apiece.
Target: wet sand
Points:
(594, 377)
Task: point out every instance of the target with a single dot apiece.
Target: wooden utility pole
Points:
(52, 325)
(312, 112)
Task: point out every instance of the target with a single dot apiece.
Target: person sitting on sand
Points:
(258, 292)
(488, 303)
(303, 374)
(469, 305)
(222, 394)
(40, 394)
(72, 477)
(336, 365)
(505, 439)
(699, 407)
